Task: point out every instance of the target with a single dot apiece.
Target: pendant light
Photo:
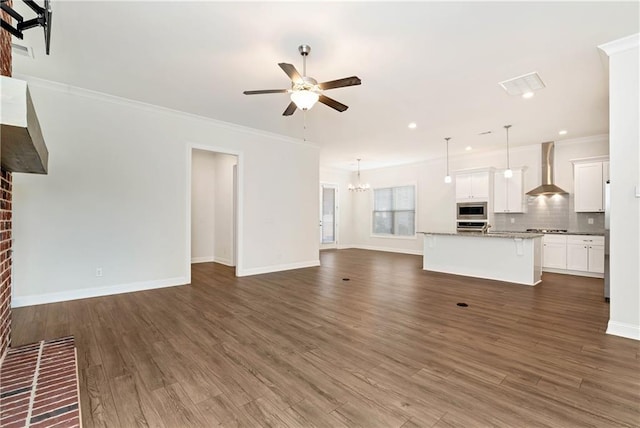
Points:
(447, 178)
(359, 187)
(507, 172)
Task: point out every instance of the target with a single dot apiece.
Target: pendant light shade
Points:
(305, 98)
(508, 173)
(447, 178)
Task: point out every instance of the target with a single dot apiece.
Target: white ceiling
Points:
(437, 64)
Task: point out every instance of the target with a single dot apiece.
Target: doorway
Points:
(213, 225)
(328, 216)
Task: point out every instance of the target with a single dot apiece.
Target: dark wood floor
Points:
(388, 348)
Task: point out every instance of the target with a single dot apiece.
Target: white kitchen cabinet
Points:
(472, 185)
(578, 257)
(585, 253)
(589, 180)
(596, 258)
(554, 251)
(508, 193)
(574, 254)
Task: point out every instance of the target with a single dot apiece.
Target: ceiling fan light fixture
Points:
(305, 98)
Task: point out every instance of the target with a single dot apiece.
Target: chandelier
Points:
(359, 187)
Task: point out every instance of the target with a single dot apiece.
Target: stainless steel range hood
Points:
(22, 147)
(547, 187)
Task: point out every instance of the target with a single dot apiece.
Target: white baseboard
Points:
(63, 296)
(573, 272)
(345, 246)
(629, 331)
(387, 249)
(223, 261)
(212, 259)
(204, 259)
(277, 268)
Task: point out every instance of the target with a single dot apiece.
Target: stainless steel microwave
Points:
(472, 211)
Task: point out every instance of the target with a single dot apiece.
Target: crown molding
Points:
(104, 97)
(620, 45)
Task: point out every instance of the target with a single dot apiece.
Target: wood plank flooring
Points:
(388, 348)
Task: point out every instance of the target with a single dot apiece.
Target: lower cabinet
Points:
(596, 258)
(574, 254)
(577, 257)
(554, 251)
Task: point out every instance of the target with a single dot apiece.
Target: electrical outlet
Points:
(99, 272)
(590, 220)
(513, 220)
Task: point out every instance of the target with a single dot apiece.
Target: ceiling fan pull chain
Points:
(304, 126)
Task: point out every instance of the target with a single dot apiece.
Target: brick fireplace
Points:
(5, 216)
(38, 382)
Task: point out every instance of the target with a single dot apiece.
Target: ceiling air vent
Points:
(523, 84)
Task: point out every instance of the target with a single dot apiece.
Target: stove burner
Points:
(547, 230)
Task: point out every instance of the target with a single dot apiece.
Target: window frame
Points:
(372, 212)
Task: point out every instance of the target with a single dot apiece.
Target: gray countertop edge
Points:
(555, 233)
(508, 235)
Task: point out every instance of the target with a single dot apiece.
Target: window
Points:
(394, 211)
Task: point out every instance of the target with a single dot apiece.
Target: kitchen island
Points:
(505, 256)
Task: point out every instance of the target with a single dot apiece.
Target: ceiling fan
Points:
(306, 91)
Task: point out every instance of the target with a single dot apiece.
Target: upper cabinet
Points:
(589, 183)
(508, 193)
(472, 185)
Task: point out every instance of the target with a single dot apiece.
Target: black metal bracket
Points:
(43, 19)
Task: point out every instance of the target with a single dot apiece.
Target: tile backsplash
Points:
(549, 212)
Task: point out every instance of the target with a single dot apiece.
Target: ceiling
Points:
(436, 64)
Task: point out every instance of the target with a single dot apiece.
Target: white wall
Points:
(203, 206)
(624, 111)
(117, 197)
(223, 243)
(436, 199)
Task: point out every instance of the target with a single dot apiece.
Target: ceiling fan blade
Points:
(266, 91)
(291, 108)
(340, 83)
(332, 103)
(291, 72)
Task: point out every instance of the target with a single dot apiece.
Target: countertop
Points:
(510, 235)
(555, 233)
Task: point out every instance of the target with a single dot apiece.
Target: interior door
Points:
(328, 216)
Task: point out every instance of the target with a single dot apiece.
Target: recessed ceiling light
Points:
(563, 132)
(413, 125)
(527, 95)
(467, 148)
